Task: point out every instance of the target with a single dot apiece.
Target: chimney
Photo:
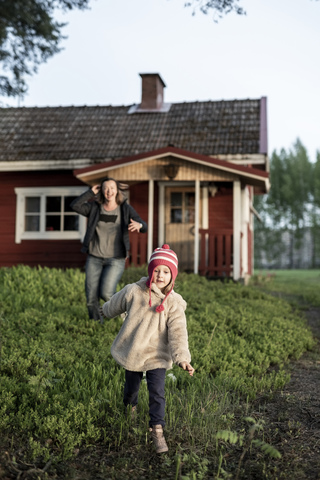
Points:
(152, 91)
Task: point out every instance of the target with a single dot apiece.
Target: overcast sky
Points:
(273, 51)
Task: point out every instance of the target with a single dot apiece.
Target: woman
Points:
(110, 219)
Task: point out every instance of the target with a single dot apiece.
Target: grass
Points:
(303, 284)
(61, 411)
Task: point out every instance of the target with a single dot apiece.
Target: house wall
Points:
(250, 250)
(221, 209)
(51, 253)
(139, 200)
(250, 236)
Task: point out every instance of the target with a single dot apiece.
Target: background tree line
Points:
(288, 235)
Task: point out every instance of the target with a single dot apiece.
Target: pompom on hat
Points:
(162, 256)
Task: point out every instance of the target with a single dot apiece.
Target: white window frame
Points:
(44, 192)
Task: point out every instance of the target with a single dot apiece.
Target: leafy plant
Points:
(61, 391)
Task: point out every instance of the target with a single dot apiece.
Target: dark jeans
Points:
(102, 277)
(155, 382)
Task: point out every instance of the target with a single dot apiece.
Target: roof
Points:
(102, 133)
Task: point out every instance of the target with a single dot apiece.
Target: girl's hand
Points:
(188, 367)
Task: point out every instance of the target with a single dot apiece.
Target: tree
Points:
(315, 212)
(297, 194)
(29, 35)
(290, 210)
(219, 7)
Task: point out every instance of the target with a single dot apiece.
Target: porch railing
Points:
(216, 252)
(138, 251)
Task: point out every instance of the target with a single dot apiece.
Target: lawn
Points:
(304, 284)
(61, 412)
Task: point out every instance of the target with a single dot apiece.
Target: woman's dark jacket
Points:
(91, 209)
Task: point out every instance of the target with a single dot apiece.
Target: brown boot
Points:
(134, 413)
(158, 439)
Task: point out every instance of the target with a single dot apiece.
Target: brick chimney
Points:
(152, 91)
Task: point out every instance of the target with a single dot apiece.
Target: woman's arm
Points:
(136, 222)
(81, 204)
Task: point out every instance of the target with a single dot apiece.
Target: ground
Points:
(292, 426)
(292, 416)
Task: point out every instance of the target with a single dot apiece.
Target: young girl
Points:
(152, 337)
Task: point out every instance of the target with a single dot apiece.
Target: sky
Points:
(272, 51)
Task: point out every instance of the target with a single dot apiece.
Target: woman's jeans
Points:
(102, 277)
(155, 382)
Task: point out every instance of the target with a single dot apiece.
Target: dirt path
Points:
(292, 416)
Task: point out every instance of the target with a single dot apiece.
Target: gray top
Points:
(107, 240)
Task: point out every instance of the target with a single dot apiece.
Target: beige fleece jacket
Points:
(148, 339)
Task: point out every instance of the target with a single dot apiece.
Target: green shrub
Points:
(61, 389)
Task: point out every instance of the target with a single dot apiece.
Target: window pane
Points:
(71, 222)
(176, 199)
(53, 204)
(189, 199)
(32, 204)
(176, 215)
(32, 223)
(67, 201)
(53, 223)
(189, 216)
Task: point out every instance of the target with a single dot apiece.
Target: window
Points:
(182, 207)
(45, 213)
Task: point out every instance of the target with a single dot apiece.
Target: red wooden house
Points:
(192, 170)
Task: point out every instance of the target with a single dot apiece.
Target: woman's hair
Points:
(119, 197)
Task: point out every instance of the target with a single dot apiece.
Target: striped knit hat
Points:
(162, 256)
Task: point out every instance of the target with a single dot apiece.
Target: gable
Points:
(190, 167)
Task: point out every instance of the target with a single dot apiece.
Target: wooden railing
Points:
(216, 252)
(138, 251)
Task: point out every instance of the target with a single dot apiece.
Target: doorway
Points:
(180, 224)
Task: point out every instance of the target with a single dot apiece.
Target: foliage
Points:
(61, 391)
(289, 211)
(219, 7)
(29, 35)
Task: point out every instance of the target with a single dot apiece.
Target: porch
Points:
(215, 246)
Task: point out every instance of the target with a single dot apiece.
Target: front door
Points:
(179, 224)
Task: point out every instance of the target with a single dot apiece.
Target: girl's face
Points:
(109, 190)
(162, 276)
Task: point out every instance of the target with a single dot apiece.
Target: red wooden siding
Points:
(216, 242)
(221, 209)
(250, 250)
(139, 241)
(51, 253)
